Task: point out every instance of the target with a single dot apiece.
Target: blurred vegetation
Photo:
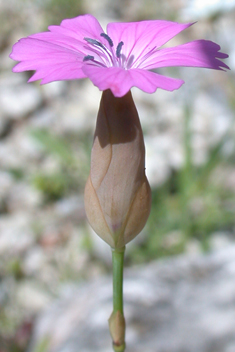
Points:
(189, 205)
(57, 10)
(188, 208)
(73, 170)
(42, 345)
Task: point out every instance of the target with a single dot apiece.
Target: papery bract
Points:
(117, 193)
(118, 60)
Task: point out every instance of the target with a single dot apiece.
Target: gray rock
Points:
(23, 197)
(16, 235)
(19, 150)
(71, 208)
(80, 111)
(18, 101)
(43, 118)
(178, 305)
(34, 261)
(6, 182)
(54, 89)
(31, 297)
(204, 9)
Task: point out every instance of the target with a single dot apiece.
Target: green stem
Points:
(118, 260)
(117, 320)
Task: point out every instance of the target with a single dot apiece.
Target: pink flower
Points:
(124, 57)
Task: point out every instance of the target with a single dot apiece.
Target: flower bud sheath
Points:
(117, 193)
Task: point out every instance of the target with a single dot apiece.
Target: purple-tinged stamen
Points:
(109, 40)
(130, 62)
(94, 42)
(88, 57)
(107, 56)
(101, 47)
(119, 48)
(93, 61)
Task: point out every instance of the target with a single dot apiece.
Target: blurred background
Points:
(46, 135)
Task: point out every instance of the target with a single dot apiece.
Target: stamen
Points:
(94, 42)
(109, 40)
(119, 48)
(88, 57)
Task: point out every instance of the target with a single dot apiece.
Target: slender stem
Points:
(118, 259)
(117, 320)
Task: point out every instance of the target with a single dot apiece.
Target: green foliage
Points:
(73, 167)
(189, 206)
(15, 268)
(43, 345)
(54, 145)
(17, 173)
(53, 186)
(57, 10)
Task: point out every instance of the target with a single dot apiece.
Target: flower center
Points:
(104, 55)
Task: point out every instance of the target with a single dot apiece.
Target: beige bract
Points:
(117, 193)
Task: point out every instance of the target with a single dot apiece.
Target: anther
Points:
(109, 40)
(94, 42)
(119, 48)
(88, 57)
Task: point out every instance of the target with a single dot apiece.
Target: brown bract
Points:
(117, 193)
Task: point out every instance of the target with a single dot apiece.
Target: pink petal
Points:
(34, 49)
(61, 40)
(199, 53)
(68, 71)
(120, 81)
(140, 37)
(80, 27)
(57, 55)
(51, 61)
